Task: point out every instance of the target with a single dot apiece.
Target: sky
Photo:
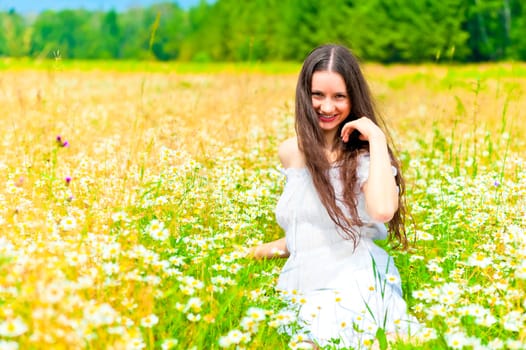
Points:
(36, 6)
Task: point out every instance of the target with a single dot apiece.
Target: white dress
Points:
(344, 294)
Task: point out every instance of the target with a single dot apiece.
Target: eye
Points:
(341, 96)
(317, 94)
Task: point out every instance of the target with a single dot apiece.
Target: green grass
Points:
(150, 66)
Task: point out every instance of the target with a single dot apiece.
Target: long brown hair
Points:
(311, 140)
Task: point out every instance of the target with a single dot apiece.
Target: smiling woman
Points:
(339, 193)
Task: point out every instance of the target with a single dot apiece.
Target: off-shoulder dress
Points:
(344, 293)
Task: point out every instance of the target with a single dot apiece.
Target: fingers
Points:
(346, 131)
(351, 134)
(365, 128)
(357, 125)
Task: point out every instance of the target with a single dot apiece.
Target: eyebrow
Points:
(336, 93)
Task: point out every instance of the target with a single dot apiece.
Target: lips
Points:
(327, 119)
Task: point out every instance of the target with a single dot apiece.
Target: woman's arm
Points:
(381, 194)
(290, 157)
(274, 249)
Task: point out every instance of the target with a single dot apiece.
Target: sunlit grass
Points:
(148, 66)
(131, 229)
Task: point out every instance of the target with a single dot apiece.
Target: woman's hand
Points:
(368, 130)
(274, 249)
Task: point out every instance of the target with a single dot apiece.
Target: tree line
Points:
(272, 30)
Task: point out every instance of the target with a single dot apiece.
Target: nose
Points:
(326, 106)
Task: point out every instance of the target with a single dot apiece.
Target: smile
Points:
(327, 118)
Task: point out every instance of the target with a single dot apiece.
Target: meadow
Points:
(132, 191)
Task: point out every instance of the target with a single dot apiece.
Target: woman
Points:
(343, 184)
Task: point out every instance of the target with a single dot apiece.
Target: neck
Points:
(329, 138)
(330, 153)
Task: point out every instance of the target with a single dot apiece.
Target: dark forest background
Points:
(276, 30)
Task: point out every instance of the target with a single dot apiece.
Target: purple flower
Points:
(496, 183)
(68, 180)
(61, 142)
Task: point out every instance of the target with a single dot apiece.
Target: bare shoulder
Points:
(290, 154)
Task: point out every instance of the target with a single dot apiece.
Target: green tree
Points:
(191, 48)
(406, 30)
(65, 32)
(517, 37)
(13, 34)
(380, 30)
(214, 37)
(135, 34)
(110, 32)
(489, 25)
(3, 39)
(169, 24)
(299, 28)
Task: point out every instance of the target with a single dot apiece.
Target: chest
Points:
(300, 203)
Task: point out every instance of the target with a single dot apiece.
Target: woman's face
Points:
(330, 99)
